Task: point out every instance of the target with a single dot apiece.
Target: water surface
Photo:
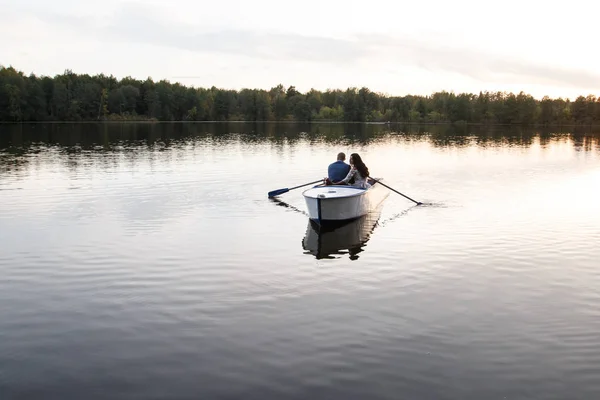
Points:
(145, 261)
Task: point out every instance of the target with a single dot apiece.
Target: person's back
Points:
(339, 169)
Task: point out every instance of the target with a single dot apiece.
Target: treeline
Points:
(81, 97)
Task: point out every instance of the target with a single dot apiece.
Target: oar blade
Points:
(277, 192)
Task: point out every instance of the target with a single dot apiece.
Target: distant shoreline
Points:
(391, 123)
(81, 98)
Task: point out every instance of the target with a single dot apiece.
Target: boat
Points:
(341, 203)
(350, 238)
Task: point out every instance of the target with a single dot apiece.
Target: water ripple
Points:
(164, 271)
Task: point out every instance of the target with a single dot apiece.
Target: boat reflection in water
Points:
(341, 238)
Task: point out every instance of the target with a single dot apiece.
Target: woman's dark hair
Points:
(359, 165)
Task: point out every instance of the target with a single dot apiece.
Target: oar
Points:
(277, 192)
(418, 202)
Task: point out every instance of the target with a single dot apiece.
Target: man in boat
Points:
(357, 177)
(338, 170)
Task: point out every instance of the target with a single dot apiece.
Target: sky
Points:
(391, 47)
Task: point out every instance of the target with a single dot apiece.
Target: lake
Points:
(146, 261)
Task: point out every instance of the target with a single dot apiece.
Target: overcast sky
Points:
(394, 47)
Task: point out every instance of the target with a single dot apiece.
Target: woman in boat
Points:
(358, 175)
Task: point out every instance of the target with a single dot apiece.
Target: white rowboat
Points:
(340, 203)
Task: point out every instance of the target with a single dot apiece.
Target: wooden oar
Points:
(418, 202)
(277, 192)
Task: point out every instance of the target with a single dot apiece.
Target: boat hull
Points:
(331, 204)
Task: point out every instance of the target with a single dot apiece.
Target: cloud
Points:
(132, 23)
(432, 54)
(136, 25)
(477, 64)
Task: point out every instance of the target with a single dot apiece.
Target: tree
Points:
(72, 96)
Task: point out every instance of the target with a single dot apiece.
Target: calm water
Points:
(145, 261)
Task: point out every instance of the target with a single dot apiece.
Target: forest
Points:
(81, 97)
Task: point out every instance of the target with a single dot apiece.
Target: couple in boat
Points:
(356, 174)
